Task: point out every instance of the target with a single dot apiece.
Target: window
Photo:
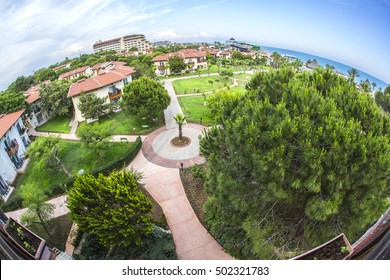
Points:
(125, 82)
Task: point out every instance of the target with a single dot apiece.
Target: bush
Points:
(198, 172)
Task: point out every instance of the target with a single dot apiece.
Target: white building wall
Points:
(7, 168)
(101, 93)
(33, 117)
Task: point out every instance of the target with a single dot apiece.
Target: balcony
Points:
(161, 67)
(12, 148)
(114, 94)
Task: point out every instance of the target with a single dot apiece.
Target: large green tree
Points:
(299, 159)
(45, 74)
(12, 102)
(113, 208)
(176, 64)
(144, 98)
(54, 97)
(95, 137)
(92, 106)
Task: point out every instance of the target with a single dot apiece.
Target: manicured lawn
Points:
(238, 89)
(243, 76)
(120, 123)
(199, 85)
(60, 125)
(193, 109)
(75, 156)
(59, 229)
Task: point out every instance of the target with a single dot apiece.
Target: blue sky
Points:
(38, 33)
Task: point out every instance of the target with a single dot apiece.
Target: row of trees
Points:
(297, 160)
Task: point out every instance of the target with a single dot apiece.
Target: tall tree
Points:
(95, 137)
(45, 74)
(177, 64)
(113, 208)
(92, 106)
(299, 159)
(54, 98)
(38, 212)
(353, 73)
(144, 98)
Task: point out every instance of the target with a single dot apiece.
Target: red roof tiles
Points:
(114, 75)
(7, 121)
(73, 72)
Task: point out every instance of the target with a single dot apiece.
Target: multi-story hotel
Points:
(124, 44)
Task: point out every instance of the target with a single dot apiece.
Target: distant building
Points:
(123, 44)
(13, 144)
(312, 64)
(230, 41)
(70, 75)
(108, 83)
(162, 43)
(194, 59)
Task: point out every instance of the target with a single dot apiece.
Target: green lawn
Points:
(199, 85)
(60, 125)
(75, 156)
(243, 76)
(238, 89)
(120, 123)
(193, 109)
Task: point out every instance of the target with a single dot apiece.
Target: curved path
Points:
(160, 162)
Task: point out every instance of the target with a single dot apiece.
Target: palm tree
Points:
(373, 86)
(353, 73)
(180, 120)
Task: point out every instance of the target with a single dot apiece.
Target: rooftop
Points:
(8, 120)
(113, 75)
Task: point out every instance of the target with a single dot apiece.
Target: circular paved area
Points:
(158, 149)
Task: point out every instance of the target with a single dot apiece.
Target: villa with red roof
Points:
(70, 75)
(13, 144)
(193, 58)
(37, 116)
(108, 84)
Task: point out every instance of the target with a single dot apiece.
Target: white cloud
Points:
(171, 34)
(35, 34)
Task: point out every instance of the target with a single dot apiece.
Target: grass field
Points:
(238, 89)
(60, 125)
(243, 76)
(75, 156)
(194, 109)
(199, 85)
(124, 124)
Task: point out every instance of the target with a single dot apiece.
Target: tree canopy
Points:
(54, 98)
(12, 102)
(296, 161)
(176, 64)
(144, 97)
(92, 106)
(113, 208)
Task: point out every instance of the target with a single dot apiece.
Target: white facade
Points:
(123, 44)
(112, 93)
(37, 116)
(13, 146)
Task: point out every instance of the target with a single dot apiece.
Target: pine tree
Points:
(113, 208)
(299, 159)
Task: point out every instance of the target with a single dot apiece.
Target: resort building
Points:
(108, 84)
(70, 75)
(124, 44)
(193, 58)
(37, 116)
(62, 66)
(13, 143)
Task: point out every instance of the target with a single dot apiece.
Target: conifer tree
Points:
(113, 208)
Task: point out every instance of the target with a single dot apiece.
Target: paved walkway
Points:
(159, 163)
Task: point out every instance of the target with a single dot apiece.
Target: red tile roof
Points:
(73, 72)
(33, 92)
(114, 75)
(185, 53)
(7, 121)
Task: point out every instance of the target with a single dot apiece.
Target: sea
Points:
(342, 68)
